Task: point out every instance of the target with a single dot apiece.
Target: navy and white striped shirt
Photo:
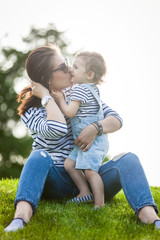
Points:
(51, 136)
(89, 105)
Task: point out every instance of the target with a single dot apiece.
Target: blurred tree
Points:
(15, 143)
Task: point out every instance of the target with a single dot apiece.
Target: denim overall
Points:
(92, 158)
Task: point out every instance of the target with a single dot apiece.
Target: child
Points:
(83, 109)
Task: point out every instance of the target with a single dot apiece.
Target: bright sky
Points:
(127, 33)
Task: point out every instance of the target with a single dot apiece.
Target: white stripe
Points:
(89, 105)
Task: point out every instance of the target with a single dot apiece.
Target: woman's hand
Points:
(86, 137)
(39, 90)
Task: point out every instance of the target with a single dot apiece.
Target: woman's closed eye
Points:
(75, 67)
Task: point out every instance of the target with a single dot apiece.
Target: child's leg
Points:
(97, 186)
(78, 177)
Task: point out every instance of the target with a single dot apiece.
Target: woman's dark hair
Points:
(39, 66)
(94, 62)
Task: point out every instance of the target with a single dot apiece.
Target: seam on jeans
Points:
(62, 177)
(136, 208)
(130, 201)
(44, 180)
(127, 197)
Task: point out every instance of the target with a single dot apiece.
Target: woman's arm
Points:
(35, 121)
(111, 123)
(87, 136)
(52, 109)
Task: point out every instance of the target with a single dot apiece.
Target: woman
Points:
(43, 172)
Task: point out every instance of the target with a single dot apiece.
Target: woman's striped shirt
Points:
(51, 136)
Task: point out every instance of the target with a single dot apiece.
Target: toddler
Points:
(85, 108)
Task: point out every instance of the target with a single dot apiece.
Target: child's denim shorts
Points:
(92, 158)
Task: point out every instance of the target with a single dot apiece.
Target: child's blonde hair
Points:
(95, 63)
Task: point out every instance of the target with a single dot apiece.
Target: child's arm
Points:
(70, 109)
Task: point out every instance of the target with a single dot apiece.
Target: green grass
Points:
(55, 220)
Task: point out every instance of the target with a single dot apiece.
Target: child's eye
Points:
(75, 67)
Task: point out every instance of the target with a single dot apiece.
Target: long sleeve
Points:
(35, 121)
(107, 111)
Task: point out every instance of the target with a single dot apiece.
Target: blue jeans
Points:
(40, 177)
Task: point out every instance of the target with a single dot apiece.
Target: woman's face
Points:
(60, 79)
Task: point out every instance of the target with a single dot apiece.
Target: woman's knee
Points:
(124, 155)
(38, 158)
(39, 155)
(128, 159)
(131, 157)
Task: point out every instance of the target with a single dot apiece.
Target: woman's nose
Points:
(70, 69)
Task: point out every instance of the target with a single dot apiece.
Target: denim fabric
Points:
(92, 158)
(127, 173)
(39, 175)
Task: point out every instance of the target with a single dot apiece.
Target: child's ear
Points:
(90, 75)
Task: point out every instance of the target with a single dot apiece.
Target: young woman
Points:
(43, 172)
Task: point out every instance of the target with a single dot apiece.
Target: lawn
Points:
(58, 221)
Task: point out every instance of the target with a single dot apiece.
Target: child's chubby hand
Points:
(58, 96)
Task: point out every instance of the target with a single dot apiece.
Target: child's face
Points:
(79, 71)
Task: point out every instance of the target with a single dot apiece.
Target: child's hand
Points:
(58, 96)
(39, 90)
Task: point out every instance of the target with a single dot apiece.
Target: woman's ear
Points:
(90, 75)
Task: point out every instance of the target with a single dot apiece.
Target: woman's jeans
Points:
(40, 177)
